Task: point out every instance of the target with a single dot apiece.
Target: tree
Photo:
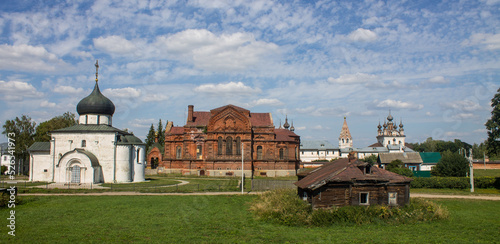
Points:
(493, 127)
(372, 159)
(161, 134)
(23, 130)
(397, 166)
(451, 164)
(43, 129)
(150, 138)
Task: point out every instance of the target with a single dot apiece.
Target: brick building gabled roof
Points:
(343, 170)
(202, 118)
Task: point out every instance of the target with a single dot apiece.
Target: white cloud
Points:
(155, 98)
(463, 105)
(267, 102)
(390, 104)
(127, 92)
(353, 78)
(362, 35)
(143, 123)
(486, 41)
(438, 80)
(67, 90)
(27, 58)
(237, 51)
(17, 90)
(227, 88)
(47, 104)
(115, 45)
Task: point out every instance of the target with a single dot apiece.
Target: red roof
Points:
(342, 170)
(378, 144)
(176, 130)
(285, 135)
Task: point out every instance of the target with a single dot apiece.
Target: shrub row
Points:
(455, 182)
(285, 207)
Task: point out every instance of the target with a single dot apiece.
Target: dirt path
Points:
(494, 198)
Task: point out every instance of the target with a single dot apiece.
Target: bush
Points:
(282, 206)
(455, 182)
(285, 207)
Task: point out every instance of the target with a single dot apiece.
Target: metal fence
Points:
(265, 184)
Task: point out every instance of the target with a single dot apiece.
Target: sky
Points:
(435, 65)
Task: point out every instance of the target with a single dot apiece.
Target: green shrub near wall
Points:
(456, 182)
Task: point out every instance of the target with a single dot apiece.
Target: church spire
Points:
(345, 138)
(286, 125)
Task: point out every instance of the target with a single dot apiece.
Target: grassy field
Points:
(195, 219)
(487, 172)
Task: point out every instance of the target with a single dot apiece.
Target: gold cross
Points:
(96, 69)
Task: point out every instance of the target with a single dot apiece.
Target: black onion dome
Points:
(95, 103)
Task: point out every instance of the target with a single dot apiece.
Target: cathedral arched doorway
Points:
(75, 174)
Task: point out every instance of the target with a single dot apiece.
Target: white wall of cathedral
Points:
(95, 119)
(124, 160)
(139, 163)
(391, 140)
(40, 167)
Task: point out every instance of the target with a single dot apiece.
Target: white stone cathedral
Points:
(92, 151)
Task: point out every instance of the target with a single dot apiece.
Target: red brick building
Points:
(211, 143)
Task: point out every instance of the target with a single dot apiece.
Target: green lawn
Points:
(195, 219)
(487, 172)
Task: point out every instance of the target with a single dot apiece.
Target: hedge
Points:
(456, 182)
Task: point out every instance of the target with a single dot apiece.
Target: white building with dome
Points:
(92, 151)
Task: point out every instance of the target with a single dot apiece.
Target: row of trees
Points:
(27, 132)
(150, 137)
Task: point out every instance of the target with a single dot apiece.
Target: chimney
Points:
(190, 113)
(352, 156)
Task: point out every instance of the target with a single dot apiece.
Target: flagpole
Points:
(242, 165)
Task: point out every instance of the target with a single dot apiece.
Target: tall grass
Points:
(285, 207)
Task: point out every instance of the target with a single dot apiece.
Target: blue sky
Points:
(434, 64)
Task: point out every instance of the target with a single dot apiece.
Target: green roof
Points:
(40, 147)
(90, 128)
(430, 157)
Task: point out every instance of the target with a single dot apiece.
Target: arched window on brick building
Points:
(259, 152)
(229, 145)
(238, 146)
(219, 146)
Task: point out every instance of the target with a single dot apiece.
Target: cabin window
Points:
(305, 196)
(178, 152)
(281, 154)
(219, 146)
(229, 145)
(368, 169)
(84, 143)
(393, 198)
(259, 152)
(364, 198)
